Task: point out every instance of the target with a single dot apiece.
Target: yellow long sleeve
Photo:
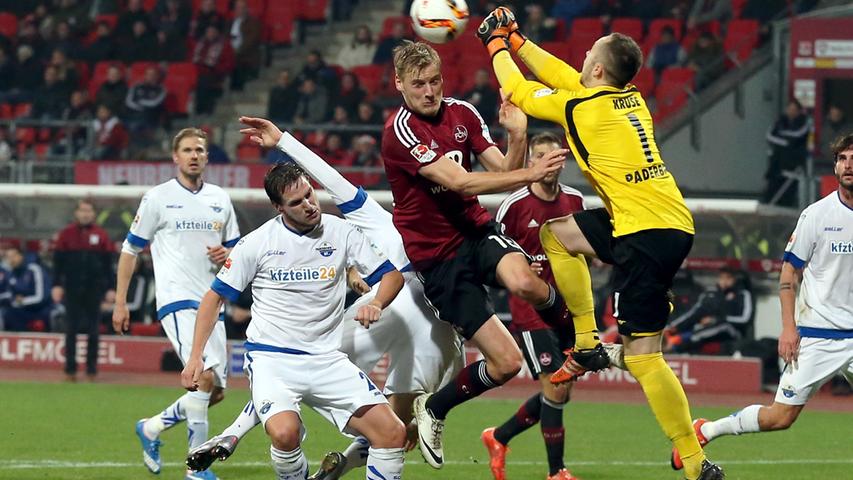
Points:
(549, 69)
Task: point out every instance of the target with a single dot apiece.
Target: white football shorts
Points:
(819, 360)
(180, 327)
(328, 383)
(424, 352)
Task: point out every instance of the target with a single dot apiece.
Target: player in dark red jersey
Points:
(451, 240)
(542, 343)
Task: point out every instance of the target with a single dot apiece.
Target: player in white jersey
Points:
(816, 294)
(190, 225)
(297, 264)
(424, 353)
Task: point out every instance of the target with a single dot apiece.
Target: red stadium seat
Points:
(145, 329)
(177, 98)
(25, 135)
(645, 82)
(278, 23)
(655, 27)
(100, 75)
(741, 38)
(389, 22)
(41, 150)
(633, 27)
(8, 25)
(249, 153)
(257, 8)
(587, 27)
(184, 72)
(371, 77)
(737, 7)
(110, 19)
(313, 10)
(137, 71)
(680, 75)
(22, 110)
(670, 97)
(7, 111)
(221, 6)
(149, 5)
(690, 36)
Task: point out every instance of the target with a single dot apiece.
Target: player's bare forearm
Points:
(124, 272)
(205, 320)
(549, 69)
(789, 283)
(515, 151)
(389, 286)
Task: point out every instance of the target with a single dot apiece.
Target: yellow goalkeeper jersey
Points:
(610, 133)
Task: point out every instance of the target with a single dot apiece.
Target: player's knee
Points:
(395, 435)
(285, 439)
(525, 286)
(780, 418)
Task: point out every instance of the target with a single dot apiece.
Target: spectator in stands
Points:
(539, 27)
(334, 151)
(66, 69)
(350, 94)
(82, 263)
(7, 74)
(788, 138)
(73, 13)
(281, 104)
(313, 103)
(29, 35)
(135, 12)
(568, 10)
(29, 285)
(666, 53)
(140, 46)
(79, 108)
(359, 51)
(103, 47)
(723, 315)
(704, 11)
(168, 48)
(341, 117)
(835, 125)
(642, 9)
(316, 69)
(367, 114)
(205, 17)
(50, 98)
(246, 42)
(29, 75)
(172, 17)
(5, 157)
(65, 40)
(113, 91)
(706, 58)
(144, 104)
(111, 137)
(483, 96)
(385, 49)
(214, 59)
(366, 154)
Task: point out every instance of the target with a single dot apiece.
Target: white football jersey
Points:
(298, 282)
(822, 245)
(180, 225)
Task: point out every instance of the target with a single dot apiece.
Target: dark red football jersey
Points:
(432, 219)
(520, 215)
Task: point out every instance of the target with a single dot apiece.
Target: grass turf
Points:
(85, 431)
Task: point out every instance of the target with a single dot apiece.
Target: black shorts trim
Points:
(543, 350)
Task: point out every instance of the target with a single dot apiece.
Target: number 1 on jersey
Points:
(641, 132)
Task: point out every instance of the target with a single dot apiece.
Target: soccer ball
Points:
(439, 21)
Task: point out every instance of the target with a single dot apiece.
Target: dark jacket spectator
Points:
(385, 49)
(483, 96)
(281, 104)
(350, 94)
(82, 262)
(666, 53)
(29, 286)
(29, 73)
(764, 11)
(50, 99)
(79, 108)
(113, 91)
(316, 69)
(788, 139)
(28, 35)
(7, 73)
(724, 314)
(360, 51)
(537, 26)
(66, 69)
(126, 21)
(64, 39)
(172, 17)
(214, 59)
(140, 47)
(169, 48)
(246, 42)
(205, 17)
(706, 59)
(313, 104)
(144, 102)
(73, 13)
(103, 47)
(835, 125)
(111, 137)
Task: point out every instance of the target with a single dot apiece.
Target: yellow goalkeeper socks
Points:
(572, 276)
(669, 404)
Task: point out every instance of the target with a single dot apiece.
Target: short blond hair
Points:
(186, 133)
(414, 57)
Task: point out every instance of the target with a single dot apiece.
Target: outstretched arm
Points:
(534, 98)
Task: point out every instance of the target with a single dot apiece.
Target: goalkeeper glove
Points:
(499, 29)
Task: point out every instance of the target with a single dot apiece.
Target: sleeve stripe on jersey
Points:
(793, 260)
(374, 277)
(573, 129)
(573, 191)
(136, 241)
(225, 290)
(508, 201)
(231, 243)
(354, 204)
(402, 130)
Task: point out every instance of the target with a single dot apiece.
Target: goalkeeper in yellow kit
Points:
(644, 230)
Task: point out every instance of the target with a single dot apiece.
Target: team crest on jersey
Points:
(788, 391)
(460, 133)
(326, 249)
(216, 208)
(227, 263)
(422, 153)
(545, 359)
(543, 92)
(265, 406)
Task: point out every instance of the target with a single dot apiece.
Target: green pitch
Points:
(85, 431)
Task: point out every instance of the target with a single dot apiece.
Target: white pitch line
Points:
(29, 464)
